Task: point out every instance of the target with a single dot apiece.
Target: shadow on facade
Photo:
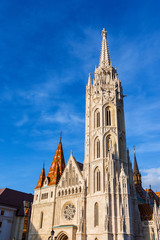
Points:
(34, 235)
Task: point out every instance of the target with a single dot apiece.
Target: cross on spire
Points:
(60, 136)
(104, 58)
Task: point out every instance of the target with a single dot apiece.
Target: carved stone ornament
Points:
(69, 212)
(108, 95)
(96, 99)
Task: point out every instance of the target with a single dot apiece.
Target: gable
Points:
(71, 179)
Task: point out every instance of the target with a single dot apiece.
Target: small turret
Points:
(57, 166)
(89, 80)
(41, 178)
(136, 174)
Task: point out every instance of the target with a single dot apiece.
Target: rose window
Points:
(69, 212)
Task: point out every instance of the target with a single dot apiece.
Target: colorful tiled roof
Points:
(41, 178)
(57, 166)
(141, 194)
(145, 211)
(136, 174)
(158, 194)
(152, 196)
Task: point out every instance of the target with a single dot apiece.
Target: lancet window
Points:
(97, 180)
(97, 119)
(108, 144)
(98, 148)
(41, 220)
(96, 214)
(107, 117)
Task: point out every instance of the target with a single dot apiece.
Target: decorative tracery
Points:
(69, 212)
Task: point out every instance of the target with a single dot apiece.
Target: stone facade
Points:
(98, 201)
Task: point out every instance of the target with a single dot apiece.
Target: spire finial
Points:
(43, 164)
(134, 150)
(60, 136)
(104, 58)
(104, 33)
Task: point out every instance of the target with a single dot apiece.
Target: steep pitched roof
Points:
(141, 194)
(152, 196)
(136, 174)
(80, 165)
(158, 194)
(136, 170)
(145, 211)
(13, 198)
(41, 178)
(57, 166)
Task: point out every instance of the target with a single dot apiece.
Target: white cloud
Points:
(21, 122)
(151, 177)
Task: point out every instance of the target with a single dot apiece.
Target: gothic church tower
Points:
(95, 200)
(111, 203)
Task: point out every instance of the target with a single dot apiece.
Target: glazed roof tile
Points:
(41, 178)
(57, 166)
(145, 211)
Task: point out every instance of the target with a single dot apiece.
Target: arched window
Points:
(97, 119)
(66, 183)
(108, 144)
(63, 182)
(41, 220)
(107, 117)
(96, 215)
(73, 176)
(97, 180)
(98, 148)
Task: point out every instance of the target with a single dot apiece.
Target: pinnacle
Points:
(136, 170)
(104, 57)
(41, 178)
(57, 166)
(89, 80)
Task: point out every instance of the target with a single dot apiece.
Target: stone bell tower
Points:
(107, 168)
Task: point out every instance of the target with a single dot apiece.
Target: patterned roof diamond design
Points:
(41, 178)
(145, 211)
(158, 194)
(57, 166)
(141, 194)
(152, 196)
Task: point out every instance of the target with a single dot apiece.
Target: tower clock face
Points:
(69, 212)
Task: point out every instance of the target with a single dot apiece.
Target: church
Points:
(103, 198)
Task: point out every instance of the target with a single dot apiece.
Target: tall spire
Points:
(104, 58)
(136, 174)
(57, 166)
(41, 178)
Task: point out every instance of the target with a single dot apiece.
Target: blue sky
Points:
(47, 50)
